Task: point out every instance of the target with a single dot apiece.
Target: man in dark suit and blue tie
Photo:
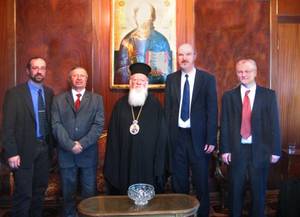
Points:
(27, 139)
(250, 138)
(191, 114)
(77, 121)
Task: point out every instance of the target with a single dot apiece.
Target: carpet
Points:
(219, 210)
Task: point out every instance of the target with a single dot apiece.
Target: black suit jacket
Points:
(204, 109)
(19, 128)
(264, 125)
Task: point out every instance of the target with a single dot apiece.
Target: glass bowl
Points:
(141, 193)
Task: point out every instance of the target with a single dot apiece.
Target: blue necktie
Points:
(185, 106)
(42, 114)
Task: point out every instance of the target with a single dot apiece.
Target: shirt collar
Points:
(252, 88)
(34, 85)
(192, 73)
(74, 92)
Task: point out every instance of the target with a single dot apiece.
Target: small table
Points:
(290, 164)
(178, 205)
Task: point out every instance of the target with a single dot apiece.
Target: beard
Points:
(37, 78)
(137, 96)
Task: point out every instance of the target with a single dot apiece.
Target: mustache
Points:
(38, 74)
(184, 61)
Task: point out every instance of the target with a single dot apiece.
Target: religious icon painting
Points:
(143, 31)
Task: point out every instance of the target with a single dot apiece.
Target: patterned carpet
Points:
(216, 210)
(270, 211)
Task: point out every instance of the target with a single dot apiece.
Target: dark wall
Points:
(226, 31)
(7, 44)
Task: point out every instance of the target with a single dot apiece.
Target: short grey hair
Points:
(250, 61)
(74, 68)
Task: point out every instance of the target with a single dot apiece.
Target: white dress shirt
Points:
(191, 79)
(74, 94)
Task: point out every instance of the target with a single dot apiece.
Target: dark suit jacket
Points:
(84, 126)
(264, 122)
(19, 128)
(203, 113)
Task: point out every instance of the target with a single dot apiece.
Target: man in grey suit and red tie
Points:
(27, 140)
(77, 121)
(191, 114)
(250, 137)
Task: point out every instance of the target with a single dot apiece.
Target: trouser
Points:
(185, 160)
(69, 180)
(31, 184)
(238, 174)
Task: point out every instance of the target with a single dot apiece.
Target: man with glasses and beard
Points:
(136, 144)
(27, 139)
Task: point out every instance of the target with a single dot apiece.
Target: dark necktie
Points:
(42, 114)
(77, 102)
(185, 106)
(246, 117)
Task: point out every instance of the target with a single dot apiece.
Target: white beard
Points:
(137, 97)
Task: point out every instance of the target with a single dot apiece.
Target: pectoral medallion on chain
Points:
(134, 128)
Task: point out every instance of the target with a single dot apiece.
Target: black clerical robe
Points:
(137, 158)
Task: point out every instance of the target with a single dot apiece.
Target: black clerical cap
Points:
(140, 68)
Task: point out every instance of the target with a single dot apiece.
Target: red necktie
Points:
(246, 117)
(77, 102)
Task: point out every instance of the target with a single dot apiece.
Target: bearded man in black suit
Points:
(27, 139)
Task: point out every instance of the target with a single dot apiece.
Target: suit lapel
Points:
(70, 100)
(237, 99)
(48, 97)
(178, 86)
(85, 98)
(28, 99)
(257, 101)
(197, 86)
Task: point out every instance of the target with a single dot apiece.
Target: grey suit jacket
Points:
(84, 126)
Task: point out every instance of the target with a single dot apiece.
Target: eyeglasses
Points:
(79, 76)
(246, 71)
(35, 68)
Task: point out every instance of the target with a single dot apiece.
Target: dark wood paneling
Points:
(7, 46)
(286, 81)
(288, 8)
(228, 30)
(60, 31)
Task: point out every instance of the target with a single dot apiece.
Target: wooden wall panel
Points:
(7, 47)
(288, 7)
(228, 30)
(286, 81)
(60, 31)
